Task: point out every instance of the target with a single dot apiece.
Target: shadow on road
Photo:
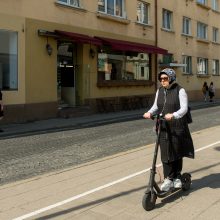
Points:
(211, 181)
(217, 148)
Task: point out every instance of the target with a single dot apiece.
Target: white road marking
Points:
(31, 214)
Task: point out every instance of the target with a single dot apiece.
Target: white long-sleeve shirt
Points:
(183, 105)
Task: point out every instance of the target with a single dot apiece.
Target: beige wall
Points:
(41, 69)
(84, 21)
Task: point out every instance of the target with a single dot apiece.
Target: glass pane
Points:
(186, 26)
(139, 11)
(110, 7)
(164, 19)
(113, 66)
(167, 19)
(74, 3)
(8, 59)
(118, 9)
(202, 1)
(145, 14)
(63, 1)
(101, 5)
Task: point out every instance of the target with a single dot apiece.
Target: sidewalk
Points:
(60, 124)
(112, 188)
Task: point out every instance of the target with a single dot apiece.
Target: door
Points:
(66, 74)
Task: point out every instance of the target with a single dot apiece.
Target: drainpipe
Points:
(156, 44)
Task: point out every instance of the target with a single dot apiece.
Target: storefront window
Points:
(8, 60)
(122, 67)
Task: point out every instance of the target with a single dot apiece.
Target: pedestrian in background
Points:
(211, 92)
(175, 139)
(205, 91)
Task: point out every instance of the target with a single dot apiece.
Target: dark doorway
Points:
(66, 54)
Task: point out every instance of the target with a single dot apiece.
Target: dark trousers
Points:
(173, 169)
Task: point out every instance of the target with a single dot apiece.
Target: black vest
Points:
(168, 102)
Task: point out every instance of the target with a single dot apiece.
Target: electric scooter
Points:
(153, 191)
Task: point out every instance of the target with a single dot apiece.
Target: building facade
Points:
(104, 54)
(189, 30)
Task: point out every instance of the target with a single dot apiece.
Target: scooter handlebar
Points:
(158, 116)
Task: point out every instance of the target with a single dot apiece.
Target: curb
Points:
(89, 124)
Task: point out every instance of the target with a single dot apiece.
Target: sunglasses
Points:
(163, 78)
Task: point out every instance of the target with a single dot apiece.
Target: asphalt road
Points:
(30, 156)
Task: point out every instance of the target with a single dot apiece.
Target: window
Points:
(204, 2)
(167, 58)
(202, 30)
(215, 5)
(74, 3)
(187, 60)
(215, 34)
(8, 60)
(167, 19)
(112, 7)
(114, 66)
(202, 66)
(186, 26)
(215, 67)
(142, 12)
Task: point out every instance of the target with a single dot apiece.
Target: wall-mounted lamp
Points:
(49, 48)
(92, 53)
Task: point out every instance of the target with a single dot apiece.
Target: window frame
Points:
(188, 61)
(215, 67)
(186, 26)
(121, 67)
(167, 19)
(68, 3)
(215, 34)
(115, 4)
(202, 31)
(9, 52)
(215, 5)
(204, 66)
(142, 12)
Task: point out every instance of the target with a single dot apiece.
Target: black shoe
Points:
(1, 130)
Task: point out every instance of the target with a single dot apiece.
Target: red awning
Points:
(80, 38)
(131, 46)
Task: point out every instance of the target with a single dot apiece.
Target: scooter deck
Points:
(162, 194)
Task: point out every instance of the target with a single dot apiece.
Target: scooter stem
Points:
(153, 169)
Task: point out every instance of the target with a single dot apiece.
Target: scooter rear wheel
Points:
(149, 201)
(186, 180)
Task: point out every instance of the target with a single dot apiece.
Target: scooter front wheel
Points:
(149, 201)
